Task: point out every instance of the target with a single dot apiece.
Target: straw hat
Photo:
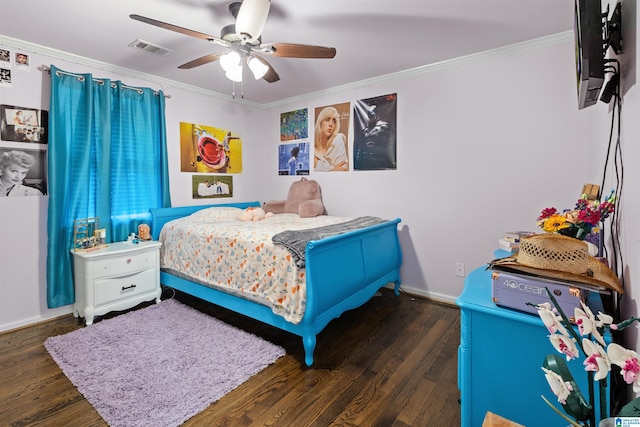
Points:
(559, 257)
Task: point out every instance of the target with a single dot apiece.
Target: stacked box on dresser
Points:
(521, 292)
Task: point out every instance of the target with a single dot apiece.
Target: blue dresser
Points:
(499, 360)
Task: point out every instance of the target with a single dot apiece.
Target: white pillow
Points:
(221, 213)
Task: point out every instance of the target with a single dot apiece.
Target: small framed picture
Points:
(5, 77)
(5, 58)
(293, 159)
(23, 124)
(212, 186)
(22, 61)
(100, 236)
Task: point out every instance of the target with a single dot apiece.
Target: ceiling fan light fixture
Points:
(235, 74)
(230, 60)
(258, 67)
(251, 18)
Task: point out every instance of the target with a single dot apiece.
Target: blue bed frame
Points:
(343, 272)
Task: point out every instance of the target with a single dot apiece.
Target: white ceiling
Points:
(372, 37)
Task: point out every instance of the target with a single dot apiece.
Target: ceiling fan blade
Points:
(201, 61)
(293, 50)
(271, 76)
(175, 28)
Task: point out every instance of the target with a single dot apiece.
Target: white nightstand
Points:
(115, 278)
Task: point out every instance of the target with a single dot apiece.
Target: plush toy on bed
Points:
(304, 199)
(254, 214)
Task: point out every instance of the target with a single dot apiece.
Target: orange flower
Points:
(555, 223)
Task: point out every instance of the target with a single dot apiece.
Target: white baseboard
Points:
(30, 321)
(448, 299)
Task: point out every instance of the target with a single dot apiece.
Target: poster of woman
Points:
(22, 172)
(330, 145)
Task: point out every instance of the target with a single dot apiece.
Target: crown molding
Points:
(534, 44)
(81, 60)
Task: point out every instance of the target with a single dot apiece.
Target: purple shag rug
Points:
(160, 365)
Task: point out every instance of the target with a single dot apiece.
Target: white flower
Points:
(604, 319)
(587, 323)
(551, 320)
(560, 388)
(597, 359)
(565, 345)
(628, 360)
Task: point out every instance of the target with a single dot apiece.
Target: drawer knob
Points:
(124, 288)
(128, 260)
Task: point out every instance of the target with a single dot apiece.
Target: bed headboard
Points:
(160, 216)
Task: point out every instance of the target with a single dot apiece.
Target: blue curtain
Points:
(107, 158)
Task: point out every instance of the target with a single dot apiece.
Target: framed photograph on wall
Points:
(22, 61)
(23, 124)
(5, 58)
(23, 172)
(5, 77)
(293, 159)
(294, 125)
(212, 186)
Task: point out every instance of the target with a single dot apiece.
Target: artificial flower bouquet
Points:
(579, 222)
(589, 342)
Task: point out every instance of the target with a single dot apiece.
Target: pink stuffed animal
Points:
(304, 199)
(254, 214)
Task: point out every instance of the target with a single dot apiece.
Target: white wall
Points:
(187, 107)
(23, 226)
(484, 143)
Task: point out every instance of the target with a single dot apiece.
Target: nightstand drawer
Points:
(117, 266)
(115, 289)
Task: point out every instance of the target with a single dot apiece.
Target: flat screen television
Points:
(589, 34)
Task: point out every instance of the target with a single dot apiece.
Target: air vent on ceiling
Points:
(149, 47)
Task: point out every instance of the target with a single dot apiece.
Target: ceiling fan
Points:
(243, 42)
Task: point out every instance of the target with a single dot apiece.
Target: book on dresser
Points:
(516, 236)
(511, 240)
(507, 245)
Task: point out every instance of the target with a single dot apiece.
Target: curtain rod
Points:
(81, 78)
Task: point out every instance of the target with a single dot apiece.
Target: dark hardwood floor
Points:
(391, 362)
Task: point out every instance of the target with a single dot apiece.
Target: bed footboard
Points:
(345, 271)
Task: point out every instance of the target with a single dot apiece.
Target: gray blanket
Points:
(296, 240)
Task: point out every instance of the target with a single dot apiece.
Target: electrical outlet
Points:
(460, 269)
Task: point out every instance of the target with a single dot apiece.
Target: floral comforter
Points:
(214, 248)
